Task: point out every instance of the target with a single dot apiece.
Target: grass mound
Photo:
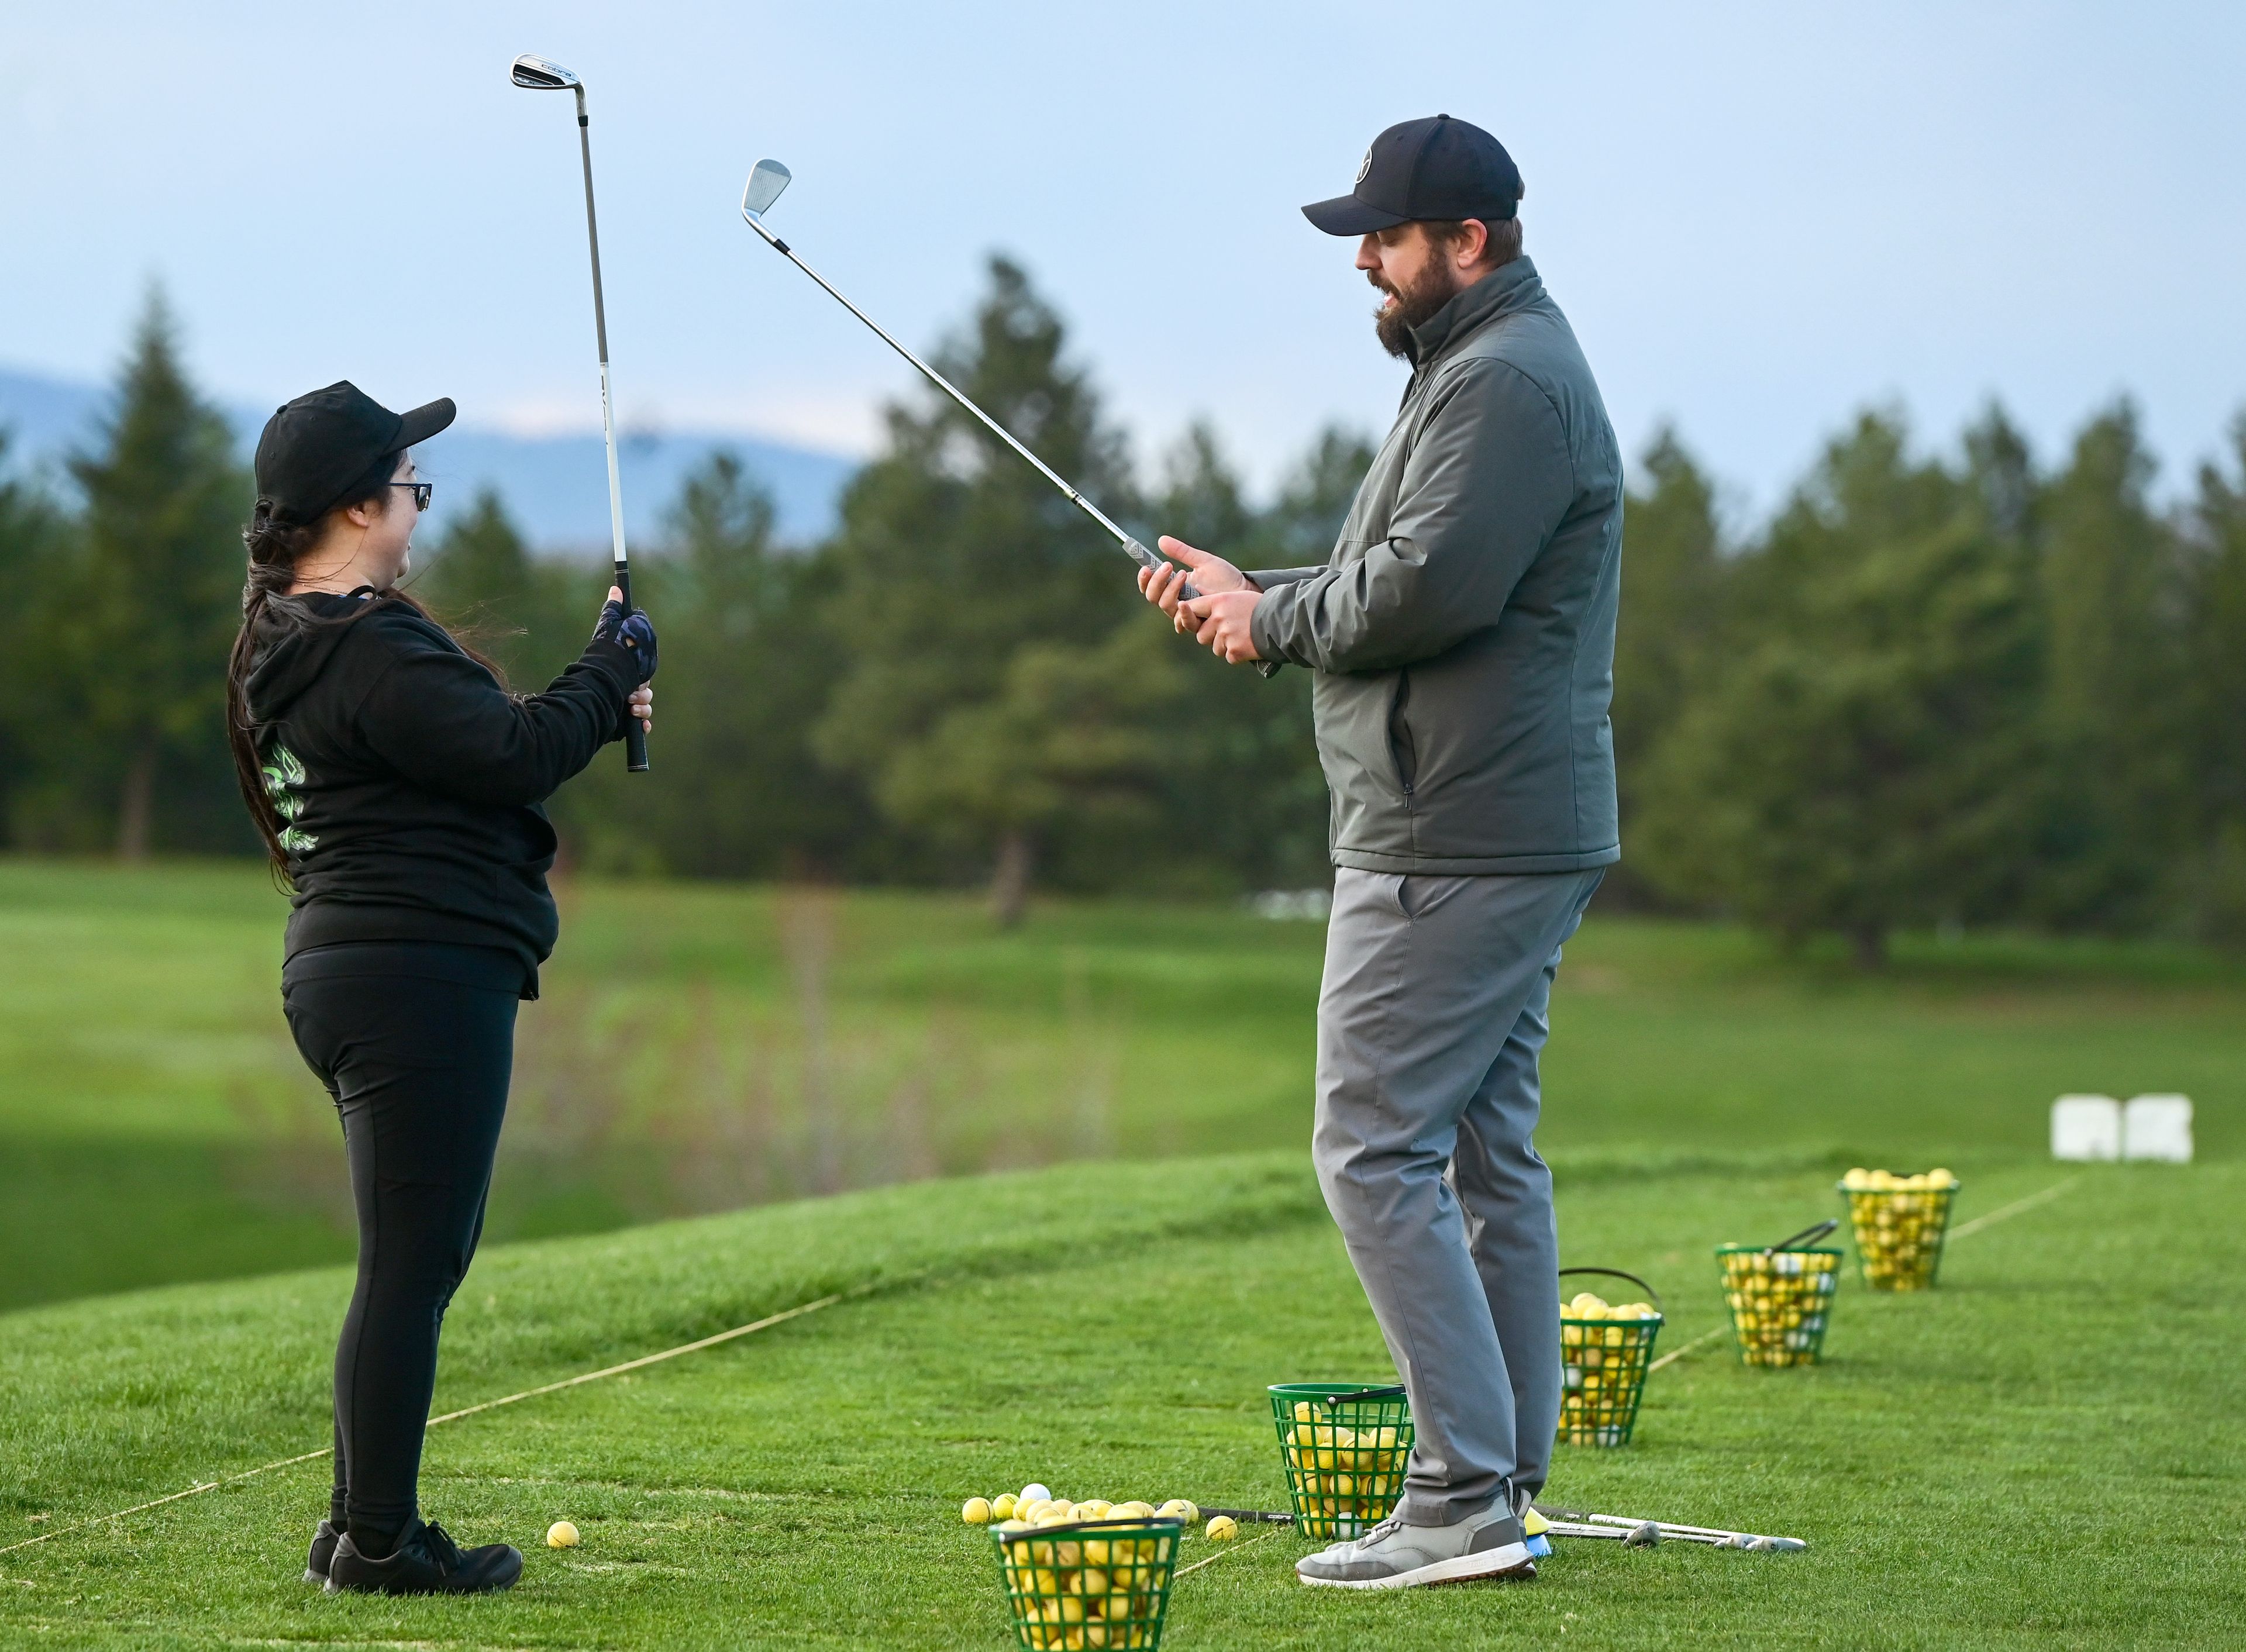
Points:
(2040, 1453)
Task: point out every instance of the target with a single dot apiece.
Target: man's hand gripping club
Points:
(1217, 618)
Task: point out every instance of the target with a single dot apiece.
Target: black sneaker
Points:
(425, 1562)
(324, 1539)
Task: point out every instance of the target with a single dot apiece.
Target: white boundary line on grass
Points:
(2013, 1209)
(1679, 1353)
(765, 1323)
(1957, 1232)
(1221, 1553)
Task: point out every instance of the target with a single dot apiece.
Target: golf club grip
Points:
(635, 735)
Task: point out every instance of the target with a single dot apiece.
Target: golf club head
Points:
(534, 73)
(765, 183)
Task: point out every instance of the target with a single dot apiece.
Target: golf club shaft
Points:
(1251, 1517)
(635, 735)
(1668, 1528)
(1137, 552)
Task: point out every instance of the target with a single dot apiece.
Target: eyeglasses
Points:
(421, 491)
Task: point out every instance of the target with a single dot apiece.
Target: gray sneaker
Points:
(1395, 1556)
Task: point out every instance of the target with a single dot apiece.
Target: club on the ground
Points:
(766, 181)
(1640, 1533)
(537, 74)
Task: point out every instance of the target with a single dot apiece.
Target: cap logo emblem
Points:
(1365, 166)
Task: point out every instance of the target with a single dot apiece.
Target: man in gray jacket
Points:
(1462, 635)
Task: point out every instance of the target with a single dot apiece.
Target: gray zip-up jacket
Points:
(1463, 630)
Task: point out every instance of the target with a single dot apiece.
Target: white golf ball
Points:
(1031, 1493)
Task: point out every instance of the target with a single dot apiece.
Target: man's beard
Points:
(1414, 306)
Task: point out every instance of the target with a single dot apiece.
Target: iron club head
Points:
(766, 182)
(534, 73)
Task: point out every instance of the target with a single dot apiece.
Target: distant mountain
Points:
(556, 488)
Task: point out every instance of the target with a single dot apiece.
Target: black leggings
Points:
(415, 1041)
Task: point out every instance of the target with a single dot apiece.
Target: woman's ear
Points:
(365, 513)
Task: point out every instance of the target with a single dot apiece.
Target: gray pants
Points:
(1430, 1021)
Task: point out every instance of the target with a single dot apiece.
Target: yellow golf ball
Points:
(1221, 1528)
(975, 1511)
(561, 1535)
(1002, 1506)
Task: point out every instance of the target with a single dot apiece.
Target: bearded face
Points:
(1412, 302)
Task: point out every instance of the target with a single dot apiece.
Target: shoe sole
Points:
(310, 1576)
(1511, 1563)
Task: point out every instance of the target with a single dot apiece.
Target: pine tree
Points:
(2217, 659)
(2113, 707)
(1667, 634)
(162, 571)
(1863, 758)
(36, 546)
(479, 580)
(747, 667)
(1247, 800)
(954, 556)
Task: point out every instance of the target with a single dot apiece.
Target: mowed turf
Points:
(2044, 1451)
(696, 1040)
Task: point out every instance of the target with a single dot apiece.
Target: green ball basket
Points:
(1088, 1584)
(1602, 1366)
(1899, 1233)
(1779, 1304)
(1344, 1447)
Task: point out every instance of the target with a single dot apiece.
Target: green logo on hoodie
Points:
(283, 776)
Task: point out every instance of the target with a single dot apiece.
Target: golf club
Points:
(1636, 1531)
(766, 182)
(1251, 1517)
(1808, 1235)
(536, 74)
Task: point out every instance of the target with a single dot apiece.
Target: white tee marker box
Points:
(2157, 1127)
(2086, 1128)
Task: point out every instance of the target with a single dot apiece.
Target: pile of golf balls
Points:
(1899, 1222)
(1604, 1348)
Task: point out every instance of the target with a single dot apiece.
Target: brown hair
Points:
(1500, 250)
(275, 547)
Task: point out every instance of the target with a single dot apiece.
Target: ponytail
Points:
(275, 545)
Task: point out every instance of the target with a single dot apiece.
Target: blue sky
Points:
(1759, 217)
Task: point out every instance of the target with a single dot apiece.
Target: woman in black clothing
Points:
(397, 784)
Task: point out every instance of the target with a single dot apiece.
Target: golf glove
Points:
(633, 632)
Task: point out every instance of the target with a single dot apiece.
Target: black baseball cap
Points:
(1418, 169)
(315, 447)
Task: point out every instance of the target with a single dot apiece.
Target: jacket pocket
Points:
(1403, 749)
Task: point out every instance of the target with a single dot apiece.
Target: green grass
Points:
(702, 1046)
(2042, 1452)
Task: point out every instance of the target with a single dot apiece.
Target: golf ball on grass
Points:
(1221, 1528)
(561, 1535)
(975, 1511)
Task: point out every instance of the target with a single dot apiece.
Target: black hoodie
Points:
(409, 781)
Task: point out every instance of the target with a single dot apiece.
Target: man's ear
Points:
(1472, 247)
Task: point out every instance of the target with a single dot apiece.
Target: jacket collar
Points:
(1504, 291)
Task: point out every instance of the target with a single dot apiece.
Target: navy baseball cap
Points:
(315, 447)
(1438, 168)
